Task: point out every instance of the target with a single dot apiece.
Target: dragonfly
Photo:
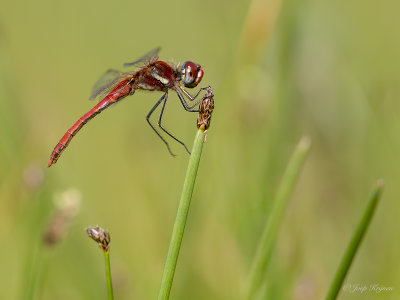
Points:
(151, 74)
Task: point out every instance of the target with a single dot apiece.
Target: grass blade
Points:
(180, 220)
(268, 238)
(108, 276)
(355, 242)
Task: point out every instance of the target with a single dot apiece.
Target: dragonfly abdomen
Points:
(111, 98)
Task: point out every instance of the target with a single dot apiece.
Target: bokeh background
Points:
(279, 69)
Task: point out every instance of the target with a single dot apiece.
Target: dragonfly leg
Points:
(163, 98)
(192, 98)
(159, 124)
(179, 91)
(184, 103)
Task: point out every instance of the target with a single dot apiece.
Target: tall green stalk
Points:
(355, 242)
(181, 216)
(34, 273)
(108, 275)
(271, 228)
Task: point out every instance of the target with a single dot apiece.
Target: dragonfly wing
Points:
(152, 56)
(105, 82)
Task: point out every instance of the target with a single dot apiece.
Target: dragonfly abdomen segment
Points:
(110, 99)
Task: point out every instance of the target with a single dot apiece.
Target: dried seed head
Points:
(100, 236)
(206, 108)
(67, 205)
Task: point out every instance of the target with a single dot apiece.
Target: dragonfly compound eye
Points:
(191, 74)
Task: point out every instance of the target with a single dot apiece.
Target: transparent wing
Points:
(105, 82)
(150, 57)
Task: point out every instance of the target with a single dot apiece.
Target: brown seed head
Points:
(100, 236)
(206, 108)
(67, 205)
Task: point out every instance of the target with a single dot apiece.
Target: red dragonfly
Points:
(152, 75)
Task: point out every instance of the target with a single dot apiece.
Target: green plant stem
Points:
(108, 275)
(34, 273)
(355, 242)
(181, 216)
(271, 228)
(36, 258)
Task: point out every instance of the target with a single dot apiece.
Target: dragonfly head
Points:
(191, 74)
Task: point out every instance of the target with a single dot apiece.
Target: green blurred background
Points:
(279, 70)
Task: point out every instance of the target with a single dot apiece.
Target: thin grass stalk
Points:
(37, 212)
(34, 273)
(271, 228)
(355, 242)
(181, 217)
(103, 239)
(108, 275)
